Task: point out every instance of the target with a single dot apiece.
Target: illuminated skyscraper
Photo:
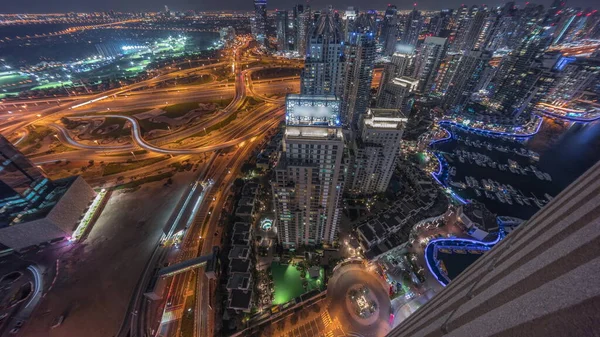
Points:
(309, 177)
(376, 151)
(350, 16)
(259, 22)
(446, 73)
(463, 19)
(466, 78)
(574, 76)
(516, 78)
(389, 30)
(412, 28)
(398, 93)
(281, 25)
(441, 24)
(301, 23)
(399, 66)
(428, 62)
(360, 57)
(325, 64)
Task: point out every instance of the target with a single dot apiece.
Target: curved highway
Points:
(136, 133)
(65, 138)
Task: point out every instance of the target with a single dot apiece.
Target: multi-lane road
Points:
(193, 213)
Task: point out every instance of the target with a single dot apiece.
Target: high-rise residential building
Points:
(528, 22)
(572, 25)
(486, 32)
(463, 23)
(309, 176)
(446, 73)
(259, 21)
(412, 28)
(360, 57)
(389, 30)
(281, 28)
(441, 24)
(375, 150)
(350, 16)
(34, 208)
(466, 78)
(434, 26)
(301, 23)
(457, 21)
(325, 64)
(399, 65)
(580, 28)
(502, 35)
(524, 285)
(592, 25)
(428, 61)
(574, 77)
(554, 11)
(516, 78)
(398, 93)
(474, 28)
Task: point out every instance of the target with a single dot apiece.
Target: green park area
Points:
(290, 284)
(52, 85)
(10, 79)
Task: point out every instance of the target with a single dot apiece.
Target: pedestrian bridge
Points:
(181, 267)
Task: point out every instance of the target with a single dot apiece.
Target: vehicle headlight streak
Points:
(38, 284)
(89, 102)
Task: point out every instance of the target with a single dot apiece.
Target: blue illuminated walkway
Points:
(453, 243)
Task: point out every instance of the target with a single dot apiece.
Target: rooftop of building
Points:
(312, 110)
(313, 98)
(405, 81)
(239, 252)
(315, 133)
(241, 227)
(240, 299)
(239, 266)
(480, 215)
(244, 210)
(240, 238)
(327, 28)
(239, 281)
(246, 201)
(385, 119)
(250, 189)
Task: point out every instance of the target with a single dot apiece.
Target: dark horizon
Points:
(65, 6)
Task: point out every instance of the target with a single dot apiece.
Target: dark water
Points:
(456, 263)
(566, 151)
(22, 30)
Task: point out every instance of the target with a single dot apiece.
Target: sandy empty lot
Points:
(97, 277)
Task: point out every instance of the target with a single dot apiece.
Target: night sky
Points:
(57, 6)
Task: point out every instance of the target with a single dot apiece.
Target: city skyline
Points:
(300, 170)
(40, 7)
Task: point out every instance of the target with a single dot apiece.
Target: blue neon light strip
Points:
(572, 119)
(431, 243)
